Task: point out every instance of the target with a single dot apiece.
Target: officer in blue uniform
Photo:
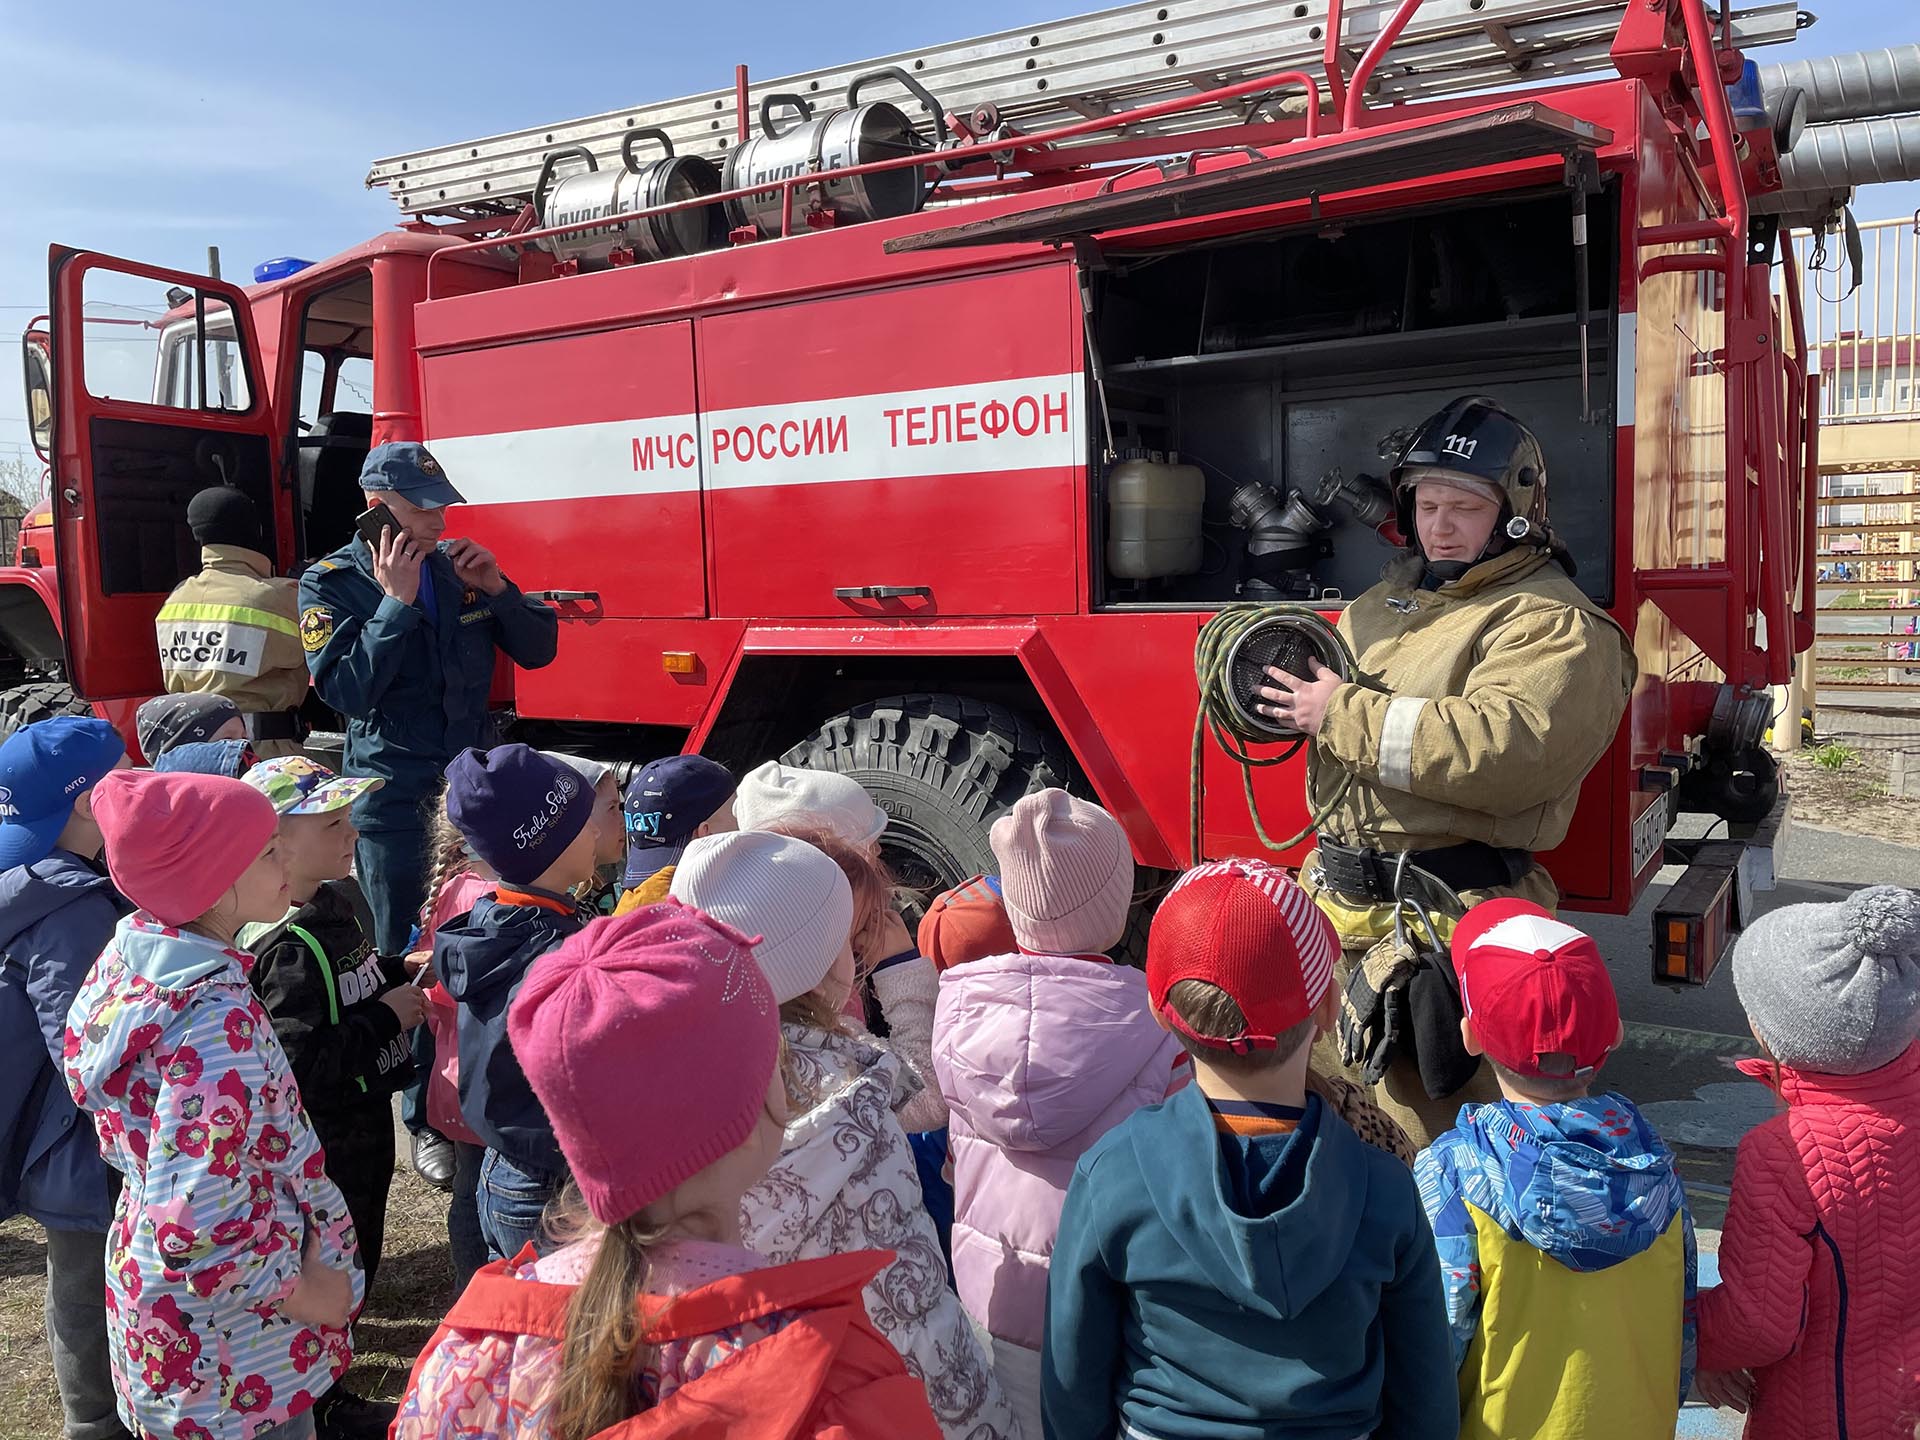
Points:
(400, 638)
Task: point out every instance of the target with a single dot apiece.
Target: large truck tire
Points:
(944, 768)
(26, 704)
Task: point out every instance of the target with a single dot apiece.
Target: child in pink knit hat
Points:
(231, 1265)
(652, 1040)
(1040, 1052)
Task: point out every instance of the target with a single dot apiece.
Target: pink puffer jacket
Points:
(1038, 1056)
(1818, 1265)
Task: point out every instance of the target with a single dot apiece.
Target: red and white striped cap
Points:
(1245, 926)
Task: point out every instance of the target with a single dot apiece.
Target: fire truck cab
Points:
(937, 490)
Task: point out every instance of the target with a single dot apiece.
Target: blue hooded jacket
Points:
(482, 958)
(1200, 1289)
(1587, 1182)
(56, 916)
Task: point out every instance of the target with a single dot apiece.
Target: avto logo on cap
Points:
(7, 807)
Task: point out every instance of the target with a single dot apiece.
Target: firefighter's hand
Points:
(396, 565)
(1724, 1389)
(1299, 703)
(475, 566)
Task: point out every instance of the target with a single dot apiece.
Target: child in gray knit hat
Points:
(1834, 988)
(1812, 1328)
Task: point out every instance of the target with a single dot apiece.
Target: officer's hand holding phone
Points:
(396, 565)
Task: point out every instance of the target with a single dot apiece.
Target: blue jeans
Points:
(511, 1203)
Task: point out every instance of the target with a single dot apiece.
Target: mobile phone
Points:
(374, 522)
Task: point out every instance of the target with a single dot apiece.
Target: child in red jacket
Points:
(1812, 1329)
(652, 1041)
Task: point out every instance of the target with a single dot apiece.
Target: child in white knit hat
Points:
(774, 793)
(1040, 1053)
(1813, 1328)
(845, 1179)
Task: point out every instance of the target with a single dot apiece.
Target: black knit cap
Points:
(223, 516)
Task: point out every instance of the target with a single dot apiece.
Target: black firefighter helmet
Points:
(1477, 440)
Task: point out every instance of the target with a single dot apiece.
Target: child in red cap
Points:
(1565, 1243)
(1237, 1261)
(652, 1040)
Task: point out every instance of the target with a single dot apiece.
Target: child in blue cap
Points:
(670, 804)
(341, 1013)
(57, 912)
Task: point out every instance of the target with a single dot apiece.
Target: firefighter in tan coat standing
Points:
(1503, 685)
(233, 629)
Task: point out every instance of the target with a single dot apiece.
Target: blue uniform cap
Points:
(43, 767)
(407, 469)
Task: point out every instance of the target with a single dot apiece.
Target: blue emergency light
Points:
(1745, 100)
(278, 269)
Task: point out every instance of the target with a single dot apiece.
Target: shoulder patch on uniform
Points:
(316, 628)
(325, 565)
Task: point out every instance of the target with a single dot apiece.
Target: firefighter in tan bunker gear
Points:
(1503, 685)
(234, 629)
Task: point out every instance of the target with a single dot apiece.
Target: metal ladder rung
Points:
(1093, 65)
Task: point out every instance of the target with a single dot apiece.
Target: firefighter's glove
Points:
(1369, 1025)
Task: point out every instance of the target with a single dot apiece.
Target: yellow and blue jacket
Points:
(1567, 1258)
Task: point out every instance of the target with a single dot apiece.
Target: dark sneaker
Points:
(342, 1415)
(433, 1158)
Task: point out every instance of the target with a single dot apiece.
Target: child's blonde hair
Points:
(447, 858)
(602, 1357)
(867, 874)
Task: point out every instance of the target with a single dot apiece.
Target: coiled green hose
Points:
(1220, 714)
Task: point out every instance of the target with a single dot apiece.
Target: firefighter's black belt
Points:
(1367, 875)
(274, 725)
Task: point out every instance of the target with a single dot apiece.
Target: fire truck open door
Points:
(124, 468)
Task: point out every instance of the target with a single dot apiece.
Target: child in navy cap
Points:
(530, 819)
(57, 913)
(670, 804)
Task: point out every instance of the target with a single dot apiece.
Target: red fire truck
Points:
(910, 418)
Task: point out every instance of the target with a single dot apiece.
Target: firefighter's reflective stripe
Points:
(233, 614)
(196, 637)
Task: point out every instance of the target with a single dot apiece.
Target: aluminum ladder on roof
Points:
(1101, 64)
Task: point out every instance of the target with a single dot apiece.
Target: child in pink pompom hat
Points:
(652, 1041)
(1040, 1052)
(231, 1266)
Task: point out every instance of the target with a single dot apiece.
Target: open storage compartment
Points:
(1246, 379)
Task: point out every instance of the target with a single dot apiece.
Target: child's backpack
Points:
(827, 1374)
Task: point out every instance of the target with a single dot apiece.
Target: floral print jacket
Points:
(192, 1097)
(846, 1181)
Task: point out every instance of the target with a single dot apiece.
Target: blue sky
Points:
(252, 128)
